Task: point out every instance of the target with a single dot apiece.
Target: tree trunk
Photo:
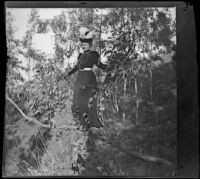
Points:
(150, 85)
(99, 40)
(137, 102)
(124, 107)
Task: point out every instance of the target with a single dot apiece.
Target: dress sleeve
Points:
(73, 70)
(98, 62)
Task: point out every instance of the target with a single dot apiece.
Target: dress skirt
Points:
(84, 106)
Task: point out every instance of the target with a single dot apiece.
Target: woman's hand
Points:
(63, 77)
(59, 77)
(66, 77)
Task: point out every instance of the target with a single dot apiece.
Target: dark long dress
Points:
(85, 90)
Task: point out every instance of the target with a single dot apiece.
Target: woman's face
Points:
(85, 46)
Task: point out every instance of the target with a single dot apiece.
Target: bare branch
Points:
(25, 116)
(31, 119)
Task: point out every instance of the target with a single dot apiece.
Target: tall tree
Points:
(14, 66)
(149, 30)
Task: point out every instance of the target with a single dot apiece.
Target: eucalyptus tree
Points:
(139, 37)
(13, 63)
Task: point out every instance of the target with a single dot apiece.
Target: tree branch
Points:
(25, 116)
(31, 119)
(130, 152)
(143, 156)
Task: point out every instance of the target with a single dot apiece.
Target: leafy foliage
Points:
(137, 99)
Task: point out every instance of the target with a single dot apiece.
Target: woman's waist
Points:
(86, 72)
(86, 69)
(86, 77)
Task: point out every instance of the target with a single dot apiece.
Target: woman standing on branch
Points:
(85, 88)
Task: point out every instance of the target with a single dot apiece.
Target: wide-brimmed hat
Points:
(86, 35)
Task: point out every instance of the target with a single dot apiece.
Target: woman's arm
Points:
(101, 65)
(98, 62)
(73, 70)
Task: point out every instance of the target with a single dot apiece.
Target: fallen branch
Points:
(143, 156)
(137, 155)
(31, 119)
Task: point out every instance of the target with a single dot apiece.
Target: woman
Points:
(85, 88)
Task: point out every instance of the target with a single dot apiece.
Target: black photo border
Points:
(187, 28)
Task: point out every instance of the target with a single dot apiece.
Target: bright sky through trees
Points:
(45, 42)
(21, 16)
